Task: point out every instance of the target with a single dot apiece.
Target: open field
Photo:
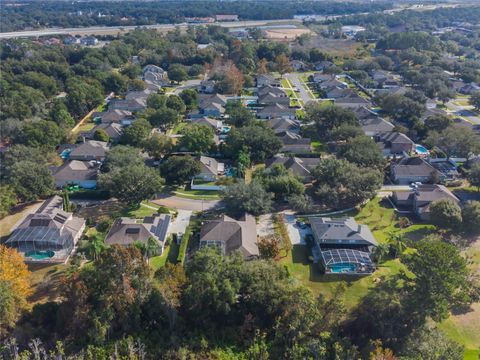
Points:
(335, 47)
(285, 34)
(9, 221)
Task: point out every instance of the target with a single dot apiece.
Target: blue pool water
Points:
(40, 255)
(226, 129)
(65, 153)
(342, 268)
(420, 149)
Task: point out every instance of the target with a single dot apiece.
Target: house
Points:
(71, 40)
(281, 125)
(268, 89)
(344, 245)
(131, 105)
(213, 105)
(216, 125)
(447, 167)
(276, 111)
(139, 94)
(81, 173)
(321, 77)
(295, 143)
(210, 168)
(469, 89)
(89, 41)
(393, 142)
(150, 68)
(267, 80)
(224, 17)
(123, 117)
(331, 84)
(323, 65)
(415, 169)
(89, 150)
(272, 98)
(154, 80)
(127, 231)
(340, 92)
(49, 235)
(231, 235)
(113, 130)
(419, 198)
(298, 65)
(374, 125)
(352, 101)
(301, 167)
(207, 86)
(364, 112)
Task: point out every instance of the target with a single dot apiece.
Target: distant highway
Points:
(112, 30)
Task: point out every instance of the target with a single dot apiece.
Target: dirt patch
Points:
(285, 34)
(335, 47)
(8, 222)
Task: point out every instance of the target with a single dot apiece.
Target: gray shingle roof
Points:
(342, 230)
(126, 231)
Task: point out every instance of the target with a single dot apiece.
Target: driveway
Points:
(181, 203)
(294, 78)
(296, 234)
(265, 225)
(181, 222)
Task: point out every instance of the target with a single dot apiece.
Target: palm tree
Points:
(398, 242)
(95, 246)
(151, 247)
(381, 251)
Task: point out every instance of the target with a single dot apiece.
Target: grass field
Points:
(197, 194)
(9, 221)
(170, 255)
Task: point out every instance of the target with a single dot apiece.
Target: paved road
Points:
(105, 30)
(187, 85)
(463, 111)
(294, 78)
(177, 202)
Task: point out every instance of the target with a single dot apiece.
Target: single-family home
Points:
(276, 111)
(265, 79)
(127, 231)
(89, 150)
(352, 101)
(323, 65)
(295, 143)
(331, 85)
(76, 172)
(210, 168)
(281, 125)
(340, 92)
(215, 124)
(131, 105)
(231, 235)
(212, 105)
(420, 197)
(226, 17)
(364, 112)
(207, 86)
(154, 69)
(264, 90)
(414, 169)
(139, 94)
(71, 40)
(113, 130)
(89, 41)
(374, 125)
(469, 89)
(272, 98)
(123, 117)
(49, 235)
(321, 77)
(394, 143)
(301, 167)
(298, 65)
(344, 245)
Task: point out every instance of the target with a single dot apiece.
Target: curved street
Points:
(178, 202)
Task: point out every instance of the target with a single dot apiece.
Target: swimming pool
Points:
(226, 129)
(419, 149)
(342, 268)
(65, 154)
(40, 255)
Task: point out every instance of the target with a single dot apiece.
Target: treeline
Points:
(66, 14)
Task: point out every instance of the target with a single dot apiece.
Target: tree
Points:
(176, 103)
(475, 100)
(327, 118)
(8, 199)
(282, 64)
(300, 202)
(437, 122)
(471, 216)
(122, 156)
(455, 140)
(116, 82)
(82, 96)
(14, 287)
(401, 107)
(163, 118)
(133, 71)
(240, 116)
(230, 81)
(31, 180)
(259, 141)
(446, 214)
(442, 279)
(262, 66)
(59, 113)
(346, 132)
(41, 133)
(177, 73)
(132, 184)
(197, 138)
(101, 135)
(158, 145)
(269, 246)
(95, 246)
(339, 182)
(250, 198)
(156, 101)
(473, 175)
(137, 133)
(190, 98)
(279, 181)
(179, 169)
(243, 163)
(363, 151)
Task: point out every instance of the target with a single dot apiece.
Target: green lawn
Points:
(170, 255)
(286, 84)
(197, 194)
(145, 209)
(317, 146)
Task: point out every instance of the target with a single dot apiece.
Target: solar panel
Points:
(60, 218)
(148, 220)
(39, 222)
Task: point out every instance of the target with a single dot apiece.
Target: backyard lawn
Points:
(170, 255)
(197, 194)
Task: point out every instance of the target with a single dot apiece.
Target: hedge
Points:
(182, 252)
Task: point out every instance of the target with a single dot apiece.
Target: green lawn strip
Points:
(318, 146)
(192, 228)
(178, 128)
(471, 354)
(285, 83)
(170, 254)
(197, 194)
(466, 334)
(281, 230)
